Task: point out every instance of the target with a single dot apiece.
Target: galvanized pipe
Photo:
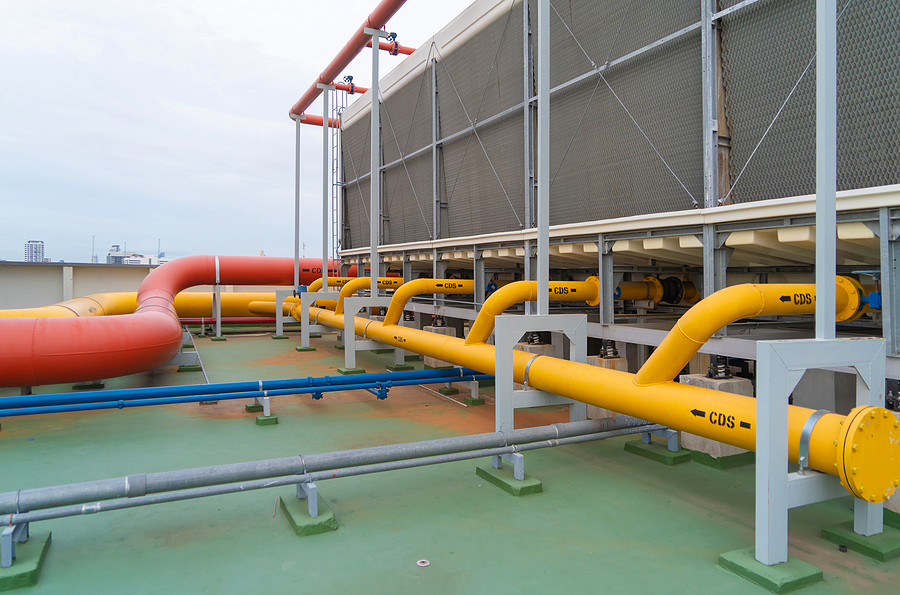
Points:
(154, 483)
(67, 511)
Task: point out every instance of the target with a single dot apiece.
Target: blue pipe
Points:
(127, 394)
(121, 404)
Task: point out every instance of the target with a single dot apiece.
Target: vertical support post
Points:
(771, 457)
(326, 186)
(407, 269)
(826, 166)
(868, 517)
(478, 277)
(375, 165)
(297, 204)
(889, 282)
(218, 305)
(607, 282)
(710, 105)
(543, 160)
(435, 165)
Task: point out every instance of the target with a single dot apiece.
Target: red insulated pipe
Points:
(37, 351)
(393, 47)
(349, 88)
(317, 121)
(379, 17)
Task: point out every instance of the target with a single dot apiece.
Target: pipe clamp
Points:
(217, 269)
(805, 435)
(136, 485)
(366, 329)
(528, 367)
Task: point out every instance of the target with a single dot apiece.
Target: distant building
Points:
(34, 251)
(118, 256)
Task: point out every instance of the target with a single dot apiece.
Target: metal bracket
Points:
(308, 491)
(517, 460)
(11, 535)
(805, 434)
(670, 436)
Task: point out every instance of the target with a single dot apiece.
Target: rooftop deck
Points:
(606, 521)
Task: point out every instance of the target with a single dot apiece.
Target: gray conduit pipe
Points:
(95, 507)
(134, 486)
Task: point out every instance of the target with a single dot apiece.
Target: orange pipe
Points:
(393, 48)
(351, 88)
(317, 121)
(37, 351)
(378, 19)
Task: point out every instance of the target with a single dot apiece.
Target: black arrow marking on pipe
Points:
(698, 413)
(785, 298)
(745, 424)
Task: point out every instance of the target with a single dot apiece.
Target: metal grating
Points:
(765, 49)
(409, 214)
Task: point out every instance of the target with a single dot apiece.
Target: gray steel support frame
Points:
(609, 280)
(296, 203)
(478, 275)
(352, 306)
(326, 182)
(11, 535)
(507, 332)
(890, 282)
(310, 493)
(826, 167)
(780, 365)
(375, 164)
(543, 159)
(709, 61)
(306, 327)
(280, 318)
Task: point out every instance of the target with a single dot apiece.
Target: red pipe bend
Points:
(37, 351)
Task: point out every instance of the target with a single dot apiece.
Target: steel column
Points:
(326, 186)
(890, 298)
(375, 165)
(710, 105)
(543, 159)
(297, 204)
(826, 166)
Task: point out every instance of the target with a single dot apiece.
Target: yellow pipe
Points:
(526, 291)
(867, 441)
(648, 289)
(729, 305)
(360, 283)
(332, 282)
(98, 304)
(420, 286)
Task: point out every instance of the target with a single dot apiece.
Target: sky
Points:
(134, 123)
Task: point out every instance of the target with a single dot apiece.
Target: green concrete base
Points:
(304, 348)
(503, 479)
(190, 369)
(315, 336)
(262, 420)
(399, 367)
(427, 367)
(723, 463)
(781, 578)
(253, 407)
(339, 347)
(448, 391)
(486, 383)
(473, 401)
(380, 351)
(348, 371)
(217, 339)
(296, 512)
(658, 452)
(280, 337)
(27, 566)
(412, 358)
(88, 386)
(891, 518)
(882, 547)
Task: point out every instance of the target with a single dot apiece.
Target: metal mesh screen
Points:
(356, 214)
(407, 201)
(601, 165)
(765, 49)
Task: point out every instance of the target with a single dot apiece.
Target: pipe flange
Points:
(868, 448)
(673, 290)
(854, 308)
(655, 290)
(595, 281)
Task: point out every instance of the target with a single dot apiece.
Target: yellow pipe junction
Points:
(409, 290)
(360, 283)
(862, 449)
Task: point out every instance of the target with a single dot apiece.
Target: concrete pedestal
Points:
(612, 363)
(431, 362)
(717, 454)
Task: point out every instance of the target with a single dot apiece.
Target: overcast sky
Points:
(167, 120)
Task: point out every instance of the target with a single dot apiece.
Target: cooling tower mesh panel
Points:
(356, 148)
(765, 49)
(610, 170)
(467, 70)
(406, 118)
(597, 24)
(476, 202)
(356, 209)
(410, 213)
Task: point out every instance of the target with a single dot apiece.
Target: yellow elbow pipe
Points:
(729, 305)
(332, 282)
(723, 417)
(360, 283)
(526, 291)
(420, 286)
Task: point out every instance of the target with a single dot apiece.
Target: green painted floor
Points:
(606, 521)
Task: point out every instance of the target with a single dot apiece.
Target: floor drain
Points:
(423, 563)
